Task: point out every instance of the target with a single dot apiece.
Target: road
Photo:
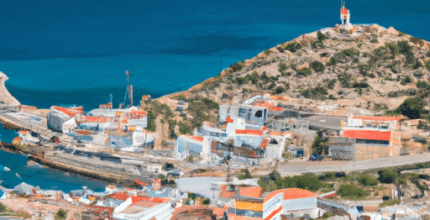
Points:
(298, 168)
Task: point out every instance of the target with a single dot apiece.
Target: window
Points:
(259, 114)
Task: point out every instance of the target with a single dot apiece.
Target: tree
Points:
(367, 179)
(2, 208)
(317, 66)
(352, 191)
(387, 176)
(279, 90)
(321, 36)
(61, 214)
(304, 72)
(412, 107)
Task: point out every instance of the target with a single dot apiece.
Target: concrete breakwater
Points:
(111, 178)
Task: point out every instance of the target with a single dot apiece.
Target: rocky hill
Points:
(330, 64)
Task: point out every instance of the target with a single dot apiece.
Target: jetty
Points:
(7, 101)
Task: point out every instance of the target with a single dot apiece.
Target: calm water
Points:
(76, 52)
(43, 177)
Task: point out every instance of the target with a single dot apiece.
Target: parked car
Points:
(316, 157)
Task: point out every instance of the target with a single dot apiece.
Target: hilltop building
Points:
(366, 137)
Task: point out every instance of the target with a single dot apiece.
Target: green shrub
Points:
(428, 65)
(237, 66)
(360, 85)
(2, 208)
(387, 176)
(331, 84)
(279, 90)
(374, 41)
(293, 47)
(332, 62)
(417, 64)
(321, 36)
(423, 85)
(418, 74)
(405, 80)
(282, 67)
(352, 191)
(363, 68)
(304, 72)
(61, 214)
(389, 202)
(408, 92)
(317, 66)
(271, 86)
(367, 179)
(331, 96)
(345, 79)
(351, 52)
(315, 93)
(412, 107)
(404, 47)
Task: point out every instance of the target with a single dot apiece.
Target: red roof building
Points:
(291, 193)
(118, 196)
(96, 119)
(377, 118)
(367, 134)
(196, 138)
(249, 132)
(70, 111)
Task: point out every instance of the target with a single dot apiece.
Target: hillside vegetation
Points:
(326, 64)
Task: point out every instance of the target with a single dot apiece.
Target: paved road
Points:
(348, 166)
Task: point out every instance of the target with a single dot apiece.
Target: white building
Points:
(57, 116)
(69, 125)
(186, 145)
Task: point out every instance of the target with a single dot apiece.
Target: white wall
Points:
(299, 204)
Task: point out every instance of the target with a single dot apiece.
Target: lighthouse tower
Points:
(344, 14)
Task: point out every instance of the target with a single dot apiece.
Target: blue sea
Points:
(77, 52)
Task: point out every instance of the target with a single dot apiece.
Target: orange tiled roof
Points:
(196, 138)
(268, 105)
(97, 119)
(219, 212)
(141, 183)
(148, 201)
(70, 111)
(377, 118)
(291, 193)
(225, 194)
(229, 120)
(276, 211)
(118, 196)
(249, 131)
(367, 134)
(253, 191)
(264, 143)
